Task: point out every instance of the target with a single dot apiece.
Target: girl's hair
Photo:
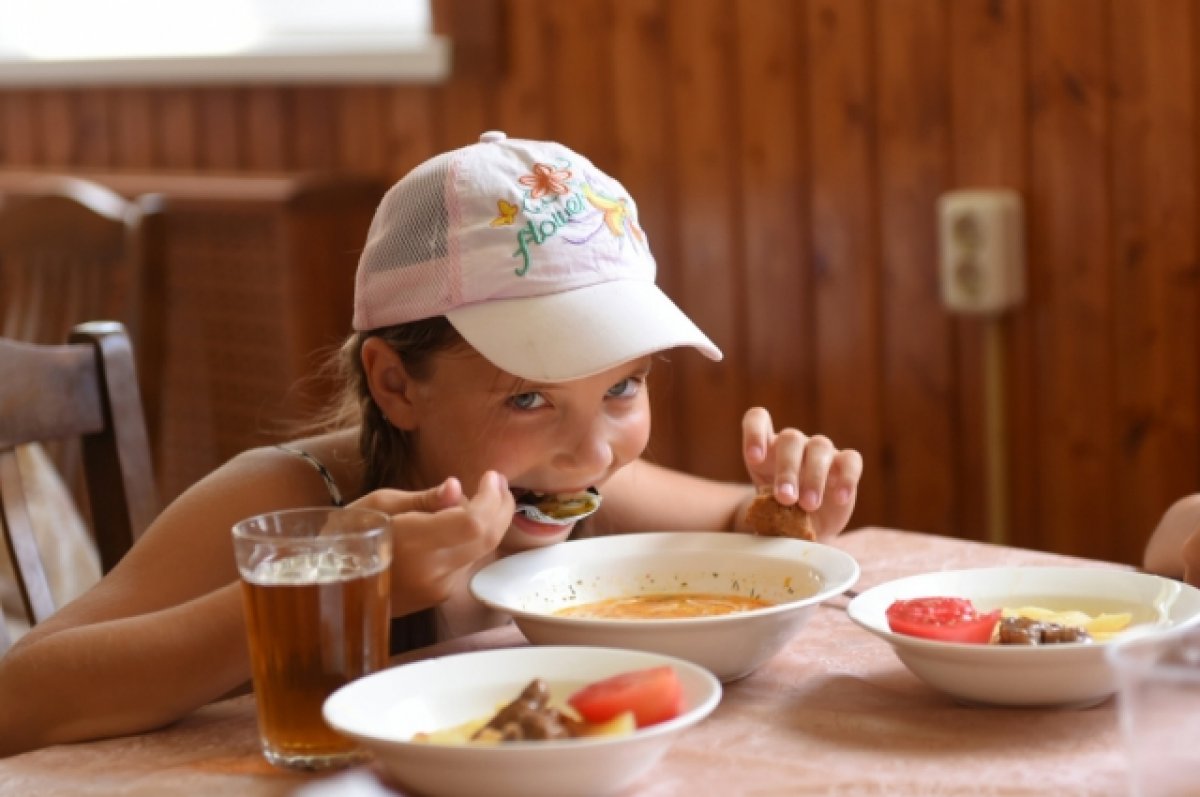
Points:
(386, 451)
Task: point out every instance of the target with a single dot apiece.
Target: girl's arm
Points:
(1174, 547)
(163, 632)
(647, 497)
(122, 675)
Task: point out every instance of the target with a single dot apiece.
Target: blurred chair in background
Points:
(72, 250)
(86, 389)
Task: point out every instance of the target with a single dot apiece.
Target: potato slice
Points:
(621, 725)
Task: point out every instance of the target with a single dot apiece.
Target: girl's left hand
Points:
(809, 471)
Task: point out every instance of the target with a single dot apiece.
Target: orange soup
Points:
(664, 606)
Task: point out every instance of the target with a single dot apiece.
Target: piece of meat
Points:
(1027, 631)
(768, 517)
(528, 717)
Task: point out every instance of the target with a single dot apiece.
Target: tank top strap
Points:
(334, 493)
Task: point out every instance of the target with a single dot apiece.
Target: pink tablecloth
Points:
(835, 713)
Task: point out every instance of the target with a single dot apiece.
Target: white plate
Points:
(792, 574)
(1018, 675)
(383, 711)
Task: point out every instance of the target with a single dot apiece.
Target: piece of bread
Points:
(768, 517)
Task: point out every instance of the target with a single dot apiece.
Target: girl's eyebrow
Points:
(517, 385)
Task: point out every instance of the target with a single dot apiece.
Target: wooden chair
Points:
(72, 250)
(84, 389)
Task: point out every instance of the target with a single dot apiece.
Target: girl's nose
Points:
(587, 449)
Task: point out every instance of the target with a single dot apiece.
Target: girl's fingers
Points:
(844, 475)
(395, 502)
(757, 433)
(789, 456)
(814, 474)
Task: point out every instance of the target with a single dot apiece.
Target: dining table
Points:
(835, 712)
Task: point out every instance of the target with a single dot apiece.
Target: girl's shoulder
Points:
(313, 470)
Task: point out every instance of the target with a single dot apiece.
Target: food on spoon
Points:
(767, 517)
(560, 507)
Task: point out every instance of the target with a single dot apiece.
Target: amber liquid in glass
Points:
(308, 636)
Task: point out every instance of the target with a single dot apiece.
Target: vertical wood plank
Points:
(57, 126)
(773, 174)
(134, 145)
(1154, 135)
(912, 104)
(412, 132)
(19, 130)
(521, 107)
(361, 132)
(268, 125)
(844, 241)
(707, 202)
(464, 105)
(178, 129)
(463, 112)
(1071, 286)
(313, 138)
(642, 127)
(987, 150)
(93, 121)
(220, 129)
(579, 94)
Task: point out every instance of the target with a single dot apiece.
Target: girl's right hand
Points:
(437, 534)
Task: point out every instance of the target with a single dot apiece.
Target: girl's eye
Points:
(626, 388)
(527, 401)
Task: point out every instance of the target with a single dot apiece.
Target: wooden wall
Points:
(786, 156)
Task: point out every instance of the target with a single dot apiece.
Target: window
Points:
(218, 41)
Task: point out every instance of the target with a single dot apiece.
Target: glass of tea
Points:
(1158, 703)
(316, 591)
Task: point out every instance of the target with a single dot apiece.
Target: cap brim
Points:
(578, 333)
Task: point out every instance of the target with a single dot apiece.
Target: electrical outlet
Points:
(981, 244)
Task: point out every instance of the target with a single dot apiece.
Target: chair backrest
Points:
(85, 389)
(72, 250)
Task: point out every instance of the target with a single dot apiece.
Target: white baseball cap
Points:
(533, 254)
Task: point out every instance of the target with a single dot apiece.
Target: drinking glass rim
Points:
(1135, 653)
(243, 529)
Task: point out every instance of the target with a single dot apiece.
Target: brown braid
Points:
(386, 450)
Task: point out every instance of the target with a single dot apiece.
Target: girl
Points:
(506, 319)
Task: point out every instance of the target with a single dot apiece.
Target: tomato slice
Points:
(944, 619)
(653, 695)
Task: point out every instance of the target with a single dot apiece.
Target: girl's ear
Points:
(389, 383)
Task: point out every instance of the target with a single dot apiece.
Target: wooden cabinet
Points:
(257, 287)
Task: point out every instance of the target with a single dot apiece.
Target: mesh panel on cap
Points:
(408, 270)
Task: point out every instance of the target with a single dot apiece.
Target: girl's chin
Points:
(524, 534)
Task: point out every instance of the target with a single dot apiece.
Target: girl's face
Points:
(559, 437)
